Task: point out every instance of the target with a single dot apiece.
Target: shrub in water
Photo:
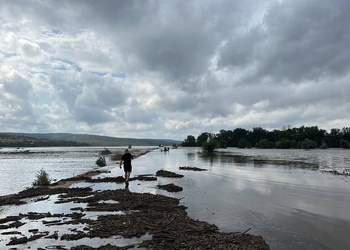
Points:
(210, 146)
(101, 162)
(42, 178)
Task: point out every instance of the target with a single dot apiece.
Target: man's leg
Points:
(127, 176)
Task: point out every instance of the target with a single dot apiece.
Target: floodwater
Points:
(293, 206)
(19, 167)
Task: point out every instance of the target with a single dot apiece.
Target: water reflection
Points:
(279, 194)
(191, 155)
(276, 194)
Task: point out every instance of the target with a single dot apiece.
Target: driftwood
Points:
(170, 187)
(192, 168)
(165, 173)
(160, 216)
(106, 152)
(145, 178)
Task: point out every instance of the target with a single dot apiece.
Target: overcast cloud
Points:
(168, 69)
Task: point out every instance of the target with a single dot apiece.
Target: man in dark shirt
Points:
(126, 159)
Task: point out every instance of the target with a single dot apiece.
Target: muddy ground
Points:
(130, 215)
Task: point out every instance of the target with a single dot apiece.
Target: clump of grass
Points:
(101, 162)
(42, 179)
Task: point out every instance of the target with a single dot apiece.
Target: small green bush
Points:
(243, 143)
(210, 146)
(344, 144)
(308, 144)
(101, 162)
(42, 179)
(265, 143)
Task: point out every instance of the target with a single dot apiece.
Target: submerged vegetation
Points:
(302, 137)
(42, 179)
(101, 162)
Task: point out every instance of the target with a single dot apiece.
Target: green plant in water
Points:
(101, 162)
(42, 179)
(210, 146)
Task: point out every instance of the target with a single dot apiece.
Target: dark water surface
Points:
(282, 196)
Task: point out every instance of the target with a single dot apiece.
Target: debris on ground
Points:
(170, 187)
(192, 168)
(161, 217)
(165, 173)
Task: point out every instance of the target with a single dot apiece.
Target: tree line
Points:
(286, 138)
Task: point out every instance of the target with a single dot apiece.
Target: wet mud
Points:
(170, 187)
(121, 213)
(165, 173)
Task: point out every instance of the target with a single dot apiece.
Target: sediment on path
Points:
(161, 217)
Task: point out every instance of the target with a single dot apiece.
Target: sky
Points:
(171, 68)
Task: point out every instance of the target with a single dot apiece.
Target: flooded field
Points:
(290, 197)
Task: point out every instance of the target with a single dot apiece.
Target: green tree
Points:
(265, 143)
(243, 143)
(285, 144)
(190, 141)
(344, 143)
(346, 133)
(308, 144)
(210, 146)
(202, 138)
(333, 138)
(237, 134)
(256, 135)
(324, 145)
(225, 138)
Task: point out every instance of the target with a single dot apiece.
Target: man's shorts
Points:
(127, 168)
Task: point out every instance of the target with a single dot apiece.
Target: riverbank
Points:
(76, 214)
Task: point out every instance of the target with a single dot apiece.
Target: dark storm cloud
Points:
(175, 38)
(296, 40)
(183, 65)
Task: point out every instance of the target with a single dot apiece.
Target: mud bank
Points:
(83, 218)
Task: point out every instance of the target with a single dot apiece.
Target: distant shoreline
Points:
(75, 140)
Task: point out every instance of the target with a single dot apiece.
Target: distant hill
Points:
(15, 140)
(88, 140)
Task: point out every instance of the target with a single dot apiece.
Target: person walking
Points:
(126, 159)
